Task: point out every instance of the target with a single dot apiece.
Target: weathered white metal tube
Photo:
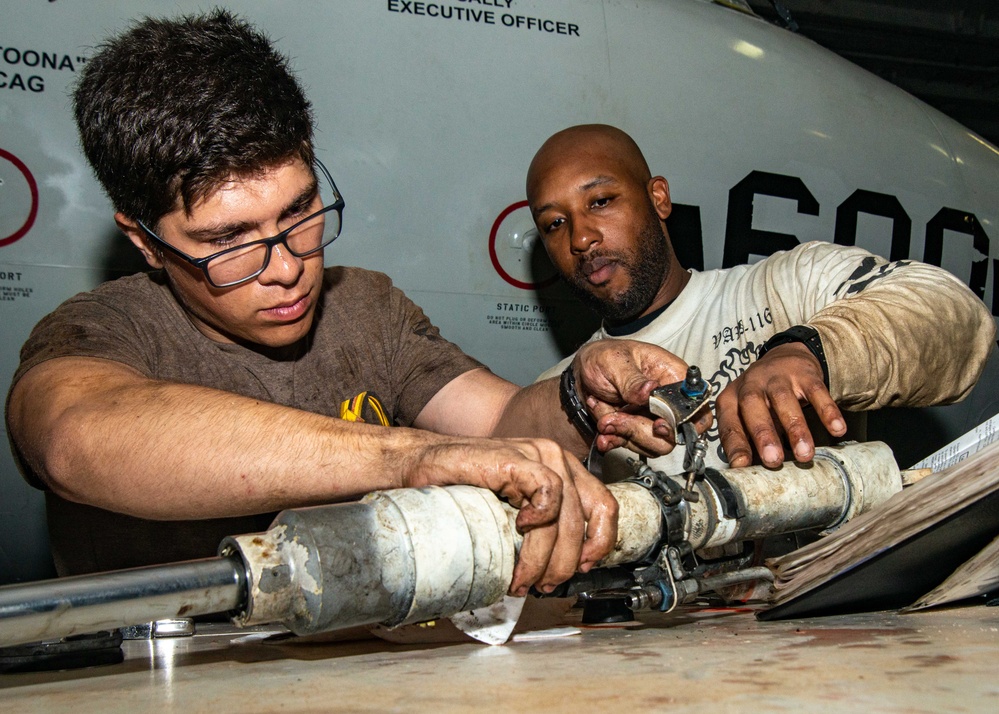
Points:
(755, 502)
(401, 556)
(394, 557)
(412, 555)
(419, 554)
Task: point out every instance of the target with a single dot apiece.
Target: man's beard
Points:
(646, 267)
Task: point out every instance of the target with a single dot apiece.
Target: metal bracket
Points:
(677, 403)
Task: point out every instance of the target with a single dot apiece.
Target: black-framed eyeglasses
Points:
(242, 263)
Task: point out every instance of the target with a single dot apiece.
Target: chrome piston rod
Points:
(82, 604)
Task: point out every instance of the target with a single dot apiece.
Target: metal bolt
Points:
(693, 385)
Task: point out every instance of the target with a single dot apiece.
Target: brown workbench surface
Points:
(709, 660)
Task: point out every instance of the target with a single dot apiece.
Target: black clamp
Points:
(579, 415)
(808, 336)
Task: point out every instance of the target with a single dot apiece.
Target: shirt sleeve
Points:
(84, 326)
(895, 333)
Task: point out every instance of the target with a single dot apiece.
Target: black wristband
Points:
(574, 407)
(808, 336)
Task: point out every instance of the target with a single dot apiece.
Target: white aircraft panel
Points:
(428, 114)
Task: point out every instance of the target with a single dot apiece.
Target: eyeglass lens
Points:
(308, 236)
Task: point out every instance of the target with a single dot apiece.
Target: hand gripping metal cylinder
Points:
(412, 555)
(393, 558)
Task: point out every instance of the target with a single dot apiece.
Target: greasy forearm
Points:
(613, 381)
(173, 451)
(535, 411)
(100, 433)
(917, 339)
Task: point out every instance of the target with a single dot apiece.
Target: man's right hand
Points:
(567, 516)
(616, 377)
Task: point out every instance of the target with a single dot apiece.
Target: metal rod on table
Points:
(52, 609)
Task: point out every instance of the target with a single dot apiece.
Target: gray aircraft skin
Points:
(428, 114)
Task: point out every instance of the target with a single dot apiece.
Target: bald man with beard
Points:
(788, 344)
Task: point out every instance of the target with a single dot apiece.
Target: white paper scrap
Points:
(546, 634)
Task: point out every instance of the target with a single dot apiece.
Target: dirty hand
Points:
(615, 379)
(766, 401)
(567, 516)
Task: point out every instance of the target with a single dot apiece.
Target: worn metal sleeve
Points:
(442, 550)
(328, 567)
(52, 609)
(494, 544)
(840, 483)
(640, 524)
(392, 558)
(870, 471)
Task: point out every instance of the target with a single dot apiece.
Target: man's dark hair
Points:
(171, 108)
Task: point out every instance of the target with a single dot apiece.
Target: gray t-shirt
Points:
(367, 336)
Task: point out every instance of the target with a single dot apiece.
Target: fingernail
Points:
(801, 452)
(839, 425)
(770, 454)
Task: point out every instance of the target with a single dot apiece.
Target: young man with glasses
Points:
(163, 411)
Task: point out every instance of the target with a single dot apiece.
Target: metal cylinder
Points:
(412, 555)
(640, 524)
(754, 502)
(395, 557)
(51, 609)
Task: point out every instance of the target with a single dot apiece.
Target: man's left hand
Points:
(766, 401)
